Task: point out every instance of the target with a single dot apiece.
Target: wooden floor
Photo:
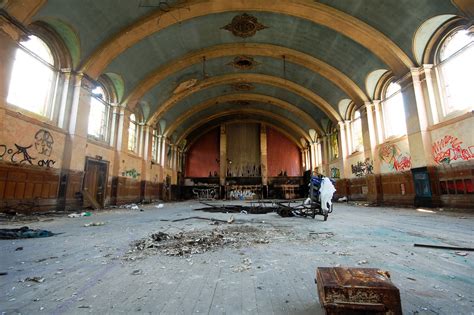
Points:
(84, 270)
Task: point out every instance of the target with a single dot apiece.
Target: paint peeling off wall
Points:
(394, 157)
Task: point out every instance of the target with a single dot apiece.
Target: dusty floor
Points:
(85, 270)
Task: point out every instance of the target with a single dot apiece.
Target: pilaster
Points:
(263, 154)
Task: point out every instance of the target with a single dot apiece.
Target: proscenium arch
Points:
(247, 97)
(318, 13)
(252, 49)
(249, 78)
(284, 121)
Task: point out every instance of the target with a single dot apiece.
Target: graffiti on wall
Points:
(335, 172)
(44, 142)
(22, 154)
(449, 148)
(391, 154)
(133, 173)
(363, 168)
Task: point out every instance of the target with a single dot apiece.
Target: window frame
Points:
(387, 101)
(107, 102)
(49, 108)
(444, 103)
(135, 123)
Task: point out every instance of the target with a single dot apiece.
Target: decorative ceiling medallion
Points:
(243, 63)
(244, 25)
(241, 86)
(185, 85)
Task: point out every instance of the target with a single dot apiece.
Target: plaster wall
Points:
(203, 155)
(336, 169)
(38, 143)
(394, 156)
(357, 160)
(282, 154)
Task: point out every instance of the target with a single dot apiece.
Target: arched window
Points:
(154, 146)
(132, 133)
(99, 114)
(356, 130)
(393, 110)
(455, 68)
(33, 78)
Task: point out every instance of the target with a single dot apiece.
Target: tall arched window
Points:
(394, 111)
(356, 130)
(132, 133)
(33, 77)
(99, 114)
(455, 69)
(154, 146)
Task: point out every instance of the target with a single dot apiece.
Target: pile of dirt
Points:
(197, 242)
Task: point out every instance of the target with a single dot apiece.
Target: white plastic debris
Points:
(307, 201)
(342, 199)
(231, 219)
(160, 206)
(327, 190)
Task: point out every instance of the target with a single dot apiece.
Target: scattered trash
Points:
(342, 199)
(18, 248)
(244, 212)
(461, 253)
(412, 279)
(362, 262)
(23, 232)
(135, 207)
(246, 265)
(231, 219)
(3, 273)
(84, 306)
(444, 247)
(198, 242)
(34, 279)
(137, 272)
(94, 224)
(44, 259)
(160, 206)
(78, 215)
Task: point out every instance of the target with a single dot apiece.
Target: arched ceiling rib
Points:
(246, 98)
(250, 49)
(248, 78)
(246, 115)
(318, 13)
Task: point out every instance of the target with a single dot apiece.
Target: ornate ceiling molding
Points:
(243, 63)
(248, 98)
(349, 26)
(277, 118)
(330, 73)
(244, 25)
(312, 97)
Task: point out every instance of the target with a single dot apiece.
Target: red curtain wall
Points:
(201, 157)
(282, 154)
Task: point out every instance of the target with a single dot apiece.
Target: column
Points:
(349, 137)
(263, 154)
(158, 150)
(432, 95)
(378, 119)
(325, 156)
(66, 74)
(223, 156)
(164, 152)
(343, 150)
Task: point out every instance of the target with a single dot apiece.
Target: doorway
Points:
(95, 183)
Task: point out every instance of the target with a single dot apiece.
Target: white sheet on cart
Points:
(326, 192)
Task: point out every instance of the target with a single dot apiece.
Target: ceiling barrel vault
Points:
(291, 63)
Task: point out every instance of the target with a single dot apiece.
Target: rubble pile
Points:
(197, 242)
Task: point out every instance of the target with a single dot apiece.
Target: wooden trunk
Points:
(357, 291)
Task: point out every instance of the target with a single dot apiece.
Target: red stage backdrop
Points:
(283, 154)
(202, 157)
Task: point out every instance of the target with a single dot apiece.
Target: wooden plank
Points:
(91, 199)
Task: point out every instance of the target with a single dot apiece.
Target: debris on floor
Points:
(94, 224)
(23, 232)
(159, 206)
(197, 242)
(78, 215)
(34, 279)
(246, 265)
(342, 199)
(255, 208)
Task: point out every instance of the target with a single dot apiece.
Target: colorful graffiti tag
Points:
(449, 148)
(363, 168)
(391, 154)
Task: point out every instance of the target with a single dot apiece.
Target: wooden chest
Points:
(357, 291)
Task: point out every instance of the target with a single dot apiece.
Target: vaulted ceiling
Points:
(191, 64)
